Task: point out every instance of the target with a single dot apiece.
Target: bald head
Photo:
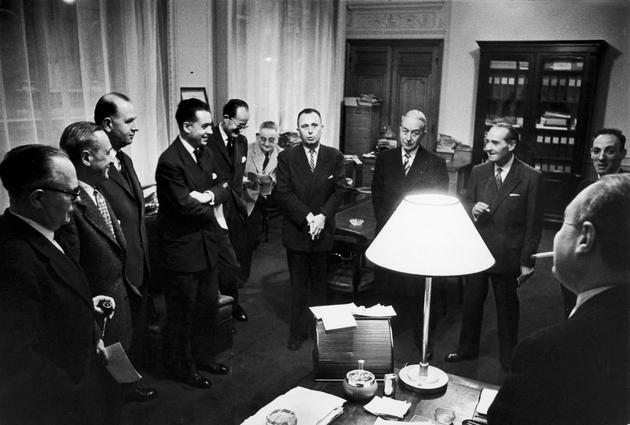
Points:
(117, 115)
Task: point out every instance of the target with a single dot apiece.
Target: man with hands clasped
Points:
(309, 191)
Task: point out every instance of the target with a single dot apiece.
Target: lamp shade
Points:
(430, 235)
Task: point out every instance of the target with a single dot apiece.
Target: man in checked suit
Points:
(576, 372)
(310, 177)
(505, 197)
(399, 172)
(229, 152)
(94, 237)
(50, 348)
(188, 189)
(117, 115)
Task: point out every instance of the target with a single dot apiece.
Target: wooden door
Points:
(405, 74)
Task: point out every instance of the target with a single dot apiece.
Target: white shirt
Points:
(505, 169)
(307, 151)
(47, 233)
(90, 191)
(188, 148)
(412, 155)
(587, 295)
(224, 135)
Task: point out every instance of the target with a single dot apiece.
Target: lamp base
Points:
(434, 381)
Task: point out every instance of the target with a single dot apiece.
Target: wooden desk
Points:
(461, 395)
(362, 235)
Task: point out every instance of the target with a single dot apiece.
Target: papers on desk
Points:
(310, 407)
(485, 400)
(381, 421)
(388, 407)
(341, 316)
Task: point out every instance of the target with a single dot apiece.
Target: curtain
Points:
(286, 55)
(58, 57)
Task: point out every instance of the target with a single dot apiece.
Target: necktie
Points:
(311, 159)
(102, 208)
(230, 147)
(197, 153)
(266, 161)
(118, 162)
(407, 163)
(497, 178)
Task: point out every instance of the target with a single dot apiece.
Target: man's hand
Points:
(206, 197)
(101, 354)
(97, 300)
(479, 209)
(317, 225)
(526, 273)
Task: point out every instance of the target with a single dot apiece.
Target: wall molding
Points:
(396, 20)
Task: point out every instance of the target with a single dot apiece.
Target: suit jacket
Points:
(254, 164)
(47, 329)
(233, 170)
(390, 185)
(575, 372)
(126, 199)
(187, 229)
(88, 241)
(300, 191)
(513, 227)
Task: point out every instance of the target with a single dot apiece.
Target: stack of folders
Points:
(485, 400)
(310, 407)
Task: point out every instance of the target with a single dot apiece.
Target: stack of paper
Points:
(388, 407)
(340, 316)
(485, 400)
(310, 407)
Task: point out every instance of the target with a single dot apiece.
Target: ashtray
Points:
(281, 417)
(356, 221)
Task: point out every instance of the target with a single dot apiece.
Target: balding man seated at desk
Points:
(576, 372)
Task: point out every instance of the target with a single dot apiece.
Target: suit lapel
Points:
(90, 212)
(218, 139)
(117, 177)
(509, 184)
(418, 166)
(194, 171)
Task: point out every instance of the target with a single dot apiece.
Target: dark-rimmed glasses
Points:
(74, 194)
(239, 125)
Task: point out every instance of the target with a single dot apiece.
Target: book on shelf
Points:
(564, 66)
(497, 64)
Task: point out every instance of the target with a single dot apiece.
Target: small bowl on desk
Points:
(282, 417)
(356, 221)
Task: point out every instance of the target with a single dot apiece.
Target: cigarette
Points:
(548, 254)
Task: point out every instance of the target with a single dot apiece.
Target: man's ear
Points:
(107, 124)
(85, 157)
(585, 242)
(186, 127)
(511, 146)
(35, 198)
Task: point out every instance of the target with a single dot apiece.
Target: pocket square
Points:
(243, 159)
(514, 194)
(330, 177)
(214, 176)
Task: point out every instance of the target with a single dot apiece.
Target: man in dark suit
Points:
(310, 177)
(399, 172)
(94, 237)
(188, 188)
(607, 152)
(229, 152)
(49, 339)
(505, 197)
(117, 115)
(576, 372)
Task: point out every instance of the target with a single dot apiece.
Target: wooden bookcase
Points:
(547, 89)
(362, 126)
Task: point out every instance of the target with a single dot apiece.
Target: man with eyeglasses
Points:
(399, 172)
(607, 152)
(576, 372)
(51, 354)
(229, 151)
(94, 237)
(504, 199)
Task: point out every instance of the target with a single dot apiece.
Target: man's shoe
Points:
(140, 394)
(214, 368)
(456, 358)
(197, 380)
(239, 313)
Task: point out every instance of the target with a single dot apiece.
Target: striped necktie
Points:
(311, 159)
(497, 178)
(407, 163)
(102, 209)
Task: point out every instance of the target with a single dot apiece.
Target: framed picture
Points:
(193, 92)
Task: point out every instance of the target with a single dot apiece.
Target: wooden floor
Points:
(263, 368)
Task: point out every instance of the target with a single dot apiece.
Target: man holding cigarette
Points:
(505, 197)
(576, 372)
(309, 191)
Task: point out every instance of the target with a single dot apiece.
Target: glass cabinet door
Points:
(508, 82)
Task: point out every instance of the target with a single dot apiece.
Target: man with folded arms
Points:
(311, 177)
(188, 188)
(49, 340)
(576, 372)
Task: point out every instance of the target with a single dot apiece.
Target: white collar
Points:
(505, 168)
(307, 149)
(224, 135)
(587, 295)
(45, 232)
(89, 190)
(412, 154)
(187, 145)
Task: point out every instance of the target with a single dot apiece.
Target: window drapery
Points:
(284, 56)
(58, 57)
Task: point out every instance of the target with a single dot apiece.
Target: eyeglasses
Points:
(74, 194)
(239, 125)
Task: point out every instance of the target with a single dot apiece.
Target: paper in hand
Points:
(119, 365)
